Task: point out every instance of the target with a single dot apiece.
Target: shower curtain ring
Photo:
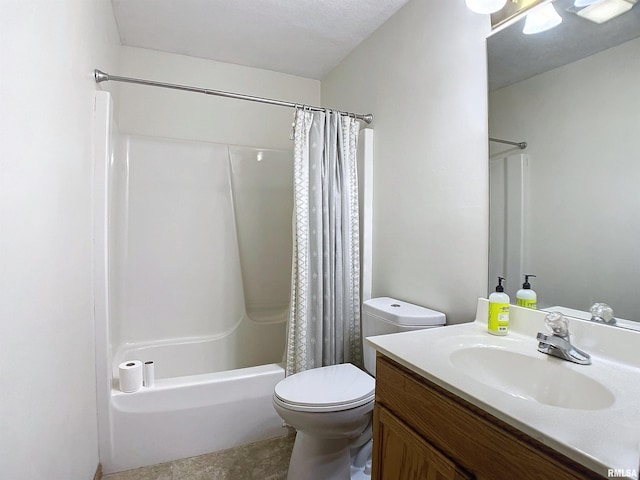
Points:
(296, 110)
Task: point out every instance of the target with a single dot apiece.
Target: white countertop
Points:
(600, 439)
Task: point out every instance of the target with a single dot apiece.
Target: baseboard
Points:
(98, 475)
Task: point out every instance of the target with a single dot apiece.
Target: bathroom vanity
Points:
(457, 403)
(422, 431)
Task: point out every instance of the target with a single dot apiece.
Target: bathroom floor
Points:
(265, 460)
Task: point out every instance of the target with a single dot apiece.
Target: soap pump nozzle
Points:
(526, 283)
(499, 287)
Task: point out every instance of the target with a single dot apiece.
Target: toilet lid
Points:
(334, 386)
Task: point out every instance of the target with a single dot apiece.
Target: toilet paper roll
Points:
(149, 374)
(130, 376)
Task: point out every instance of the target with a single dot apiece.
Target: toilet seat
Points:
(326, 389)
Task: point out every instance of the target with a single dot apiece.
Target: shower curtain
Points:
(324, 318)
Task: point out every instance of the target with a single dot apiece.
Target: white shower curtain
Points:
(324, 319)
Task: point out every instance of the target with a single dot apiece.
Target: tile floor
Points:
(265, 460)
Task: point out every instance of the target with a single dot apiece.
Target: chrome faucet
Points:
(558, 343)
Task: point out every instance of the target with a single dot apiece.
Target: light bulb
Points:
(541, 19)
(485, 6)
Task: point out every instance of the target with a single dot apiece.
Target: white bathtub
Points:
(186, 415)
(170, 286)
(192, 251)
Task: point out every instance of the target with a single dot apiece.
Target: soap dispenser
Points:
(525, 297)
(498, 323)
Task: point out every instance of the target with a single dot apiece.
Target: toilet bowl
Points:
(331, 407)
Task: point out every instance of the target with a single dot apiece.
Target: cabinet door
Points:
(400, 454)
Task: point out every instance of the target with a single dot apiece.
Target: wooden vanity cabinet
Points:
(422, 431)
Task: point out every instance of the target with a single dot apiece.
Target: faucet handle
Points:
(602, 313)
(557, 323)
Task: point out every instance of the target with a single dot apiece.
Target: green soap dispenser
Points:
(525, 296)
(498, 323)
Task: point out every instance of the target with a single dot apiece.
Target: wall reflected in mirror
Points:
(570, 210)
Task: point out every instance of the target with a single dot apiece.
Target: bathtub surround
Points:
(170, 287)
(263, 205)
(173, 242)
(324, 319)
(150, 114)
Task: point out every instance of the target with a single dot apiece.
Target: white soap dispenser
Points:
(498, 323)
(525, 297)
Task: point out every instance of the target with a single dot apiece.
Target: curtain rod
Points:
(520, 145)
(105, 77)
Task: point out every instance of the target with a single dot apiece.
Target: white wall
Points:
(581, 124)
(423, 75)
(192, 116)
(47, 367)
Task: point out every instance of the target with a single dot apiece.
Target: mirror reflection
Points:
(567, 208)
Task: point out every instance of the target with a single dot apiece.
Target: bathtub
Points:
(185, 275)
(170, 286)
(183, 414)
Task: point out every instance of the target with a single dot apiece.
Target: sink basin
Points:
(548, 380)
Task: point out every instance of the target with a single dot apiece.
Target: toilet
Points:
(331, 407)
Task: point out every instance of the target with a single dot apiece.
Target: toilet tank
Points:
(387, 315)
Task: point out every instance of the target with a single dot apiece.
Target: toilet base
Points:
(361, 460)
(316, 458)
(329, 459)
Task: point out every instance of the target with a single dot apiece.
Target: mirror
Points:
(570, 211)
(512, 9)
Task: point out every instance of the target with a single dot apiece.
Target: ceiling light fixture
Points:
(485, 6)
(541, 19)
(604, 10)
(584, 3)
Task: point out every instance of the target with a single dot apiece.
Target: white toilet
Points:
(330, 407)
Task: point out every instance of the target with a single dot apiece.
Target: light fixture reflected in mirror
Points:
(485, 6)
(583, 3)
(604, 10)
(541, 19)
(513, 10)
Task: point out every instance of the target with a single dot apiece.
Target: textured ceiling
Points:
(514, 56)
(300, 37)
(310, 37)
